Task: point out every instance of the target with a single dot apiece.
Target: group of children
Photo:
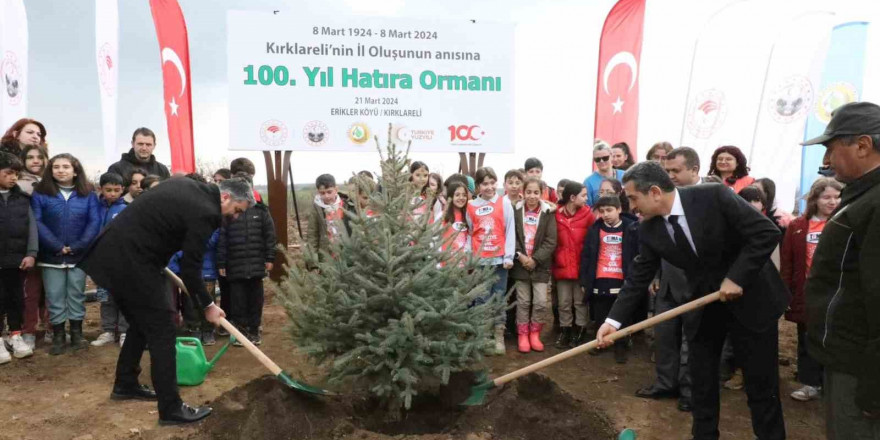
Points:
(50, 214)
(533, 236)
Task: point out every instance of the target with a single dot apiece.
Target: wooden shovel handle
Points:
(622, 333)
(272, 366)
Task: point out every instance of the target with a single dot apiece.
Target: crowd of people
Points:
(52, 213)
(569, 252)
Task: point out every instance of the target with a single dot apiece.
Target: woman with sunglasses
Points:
(604, 170)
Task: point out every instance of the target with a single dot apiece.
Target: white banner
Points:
(331, 83)
(107, 58)
(13, 62)
(725, 83)
(789, 96)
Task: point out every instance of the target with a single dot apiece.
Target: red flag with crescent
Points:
(174, 52)
(617, 88)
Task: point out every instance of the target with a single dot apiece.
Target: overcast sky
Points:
(555, 68)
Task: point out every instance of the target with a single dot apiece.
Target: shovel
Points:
(480, 391)
(272, 366)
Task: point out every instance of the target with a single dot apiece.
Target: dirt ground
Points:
(67, 397)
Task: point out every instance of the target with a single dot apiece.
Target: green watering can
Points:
(192, 365)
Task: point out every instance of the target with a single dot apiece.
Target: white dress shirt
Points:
(677, 209)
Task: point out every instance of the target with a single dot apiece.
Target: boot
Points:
(523, 345)
(579, 335)
(58, 336)
(77, 342)
(564, 337)
(499, 340)
(535, 336)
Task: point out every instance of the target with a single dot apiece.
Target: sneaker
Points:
(19, 348)
(222, 332)
(208, 338)
(256, 338)
(807, 393)
(104, 339)
(121, 339)
(4, 355)
(237, 343)
(735, 382)
(30, 339)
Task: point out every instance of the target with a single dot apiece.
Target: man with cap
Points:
(843, 288)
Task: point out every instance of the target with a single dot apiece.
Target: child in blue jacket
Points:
(111, 204)
(66, 210)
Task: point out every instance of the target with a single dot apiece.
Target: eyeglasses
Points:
(601, 159)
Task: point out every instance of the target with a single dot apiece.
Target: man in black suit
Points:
(128, 259)
(722, 244)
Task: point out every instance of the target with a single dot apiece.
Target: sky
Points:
(556, 50)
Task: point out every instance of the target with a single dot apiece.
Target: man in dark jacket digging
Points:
(843, 289)
(143, 142)
(128, 259)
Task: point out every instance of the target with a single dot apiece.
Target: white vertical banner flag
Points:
(788, 96)
(726, 77)
(106, 52)
(13, 62)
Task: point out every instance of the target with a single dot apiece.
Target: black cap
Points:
(850, 119)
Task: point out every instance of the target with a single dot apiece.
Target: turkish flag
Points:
(174, 51)
(617, 85)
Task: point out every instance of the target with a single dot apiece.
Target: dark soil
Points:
(532, 408)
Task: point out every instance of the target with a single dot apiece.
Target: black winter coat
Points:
(129, 255)
(246, 244)
(129, 161)
(14, 228)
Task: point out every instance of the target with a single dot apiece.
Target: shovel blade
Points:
(299, 386)
(479, 394)
(627, 434)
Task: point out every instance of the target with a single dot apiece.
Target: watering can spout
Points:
(220, 353)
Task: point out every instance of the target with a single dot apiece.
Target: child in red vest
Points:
(456, 236)
(609, 249)
(419, 174)
(534, 168)
(493, 239)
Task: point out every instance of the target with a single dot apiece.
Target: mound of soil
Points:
(532, 408)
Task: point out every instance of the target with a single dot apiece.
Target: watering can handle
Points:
(272, 366)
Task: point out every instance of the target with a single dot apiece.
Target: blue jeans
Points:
(498, 289)
(65, 294)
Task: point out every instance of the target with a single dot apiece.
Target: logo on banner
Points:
(471, 134)
(791, 99)
(707, 113)
(11, 75)
(273, 133)
(834, 96)
(406, 134)
(106, 64)
(620, 58)
(359, 133)
(316, 133)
